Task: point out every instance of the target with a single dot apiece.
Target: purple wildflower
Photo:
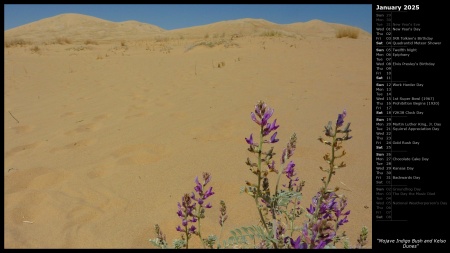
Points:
(250, 140)
(198, 188)
(340, 119)
(273, 138)
(297, 244)
(270, 127)
(185, 212)
(252, 115)
(266, 116)
(202, 195)
(263, 112)
(290, 169)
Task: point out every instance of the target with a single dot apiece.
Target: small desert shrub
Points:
(277, 224)
(161, 39)
(123, 44)
(212, 43)
(79, 48)
(165, 49)
(271, 33)
(349, 32)
(92, 42)
(17, 42)
(35, 49)
(63, 40)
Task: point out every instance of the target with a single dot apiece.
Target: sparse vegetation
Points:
(165, 49)
(162, 39)
(123, 44)
(212, 43)
(63, 40)
(349, 32)
(89, 41)
(79, 48)
(35, 49)
(272, 33)
(216, 35)
(17, 42)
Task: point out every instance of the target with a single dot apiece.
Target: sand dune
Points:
(78, 28)
(102, 139)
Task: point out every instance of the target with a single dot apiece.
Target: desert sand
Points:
(106, 125)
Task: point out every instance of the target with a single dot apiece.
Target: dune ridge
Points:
(69, 26)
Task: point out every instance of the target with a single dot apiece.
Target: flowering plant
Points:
(278, 211)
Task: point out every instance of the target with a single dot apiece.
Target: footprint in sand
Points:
(75, 145)
(84, 128)
(22, 129)
(224, 130)
(136, 111)
(38, 178)
(139, 154)
(101, 170)
(67, 114)
(22, 148)
(89, 127)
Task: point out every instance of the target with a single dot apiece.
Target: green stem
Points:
(258, 191)
(220, 235)
(187, 238)
(199, 229)
(293, 216)
(278, 181)
(330, 173)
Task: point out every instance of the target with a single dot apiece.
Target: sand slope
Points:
(110, 135)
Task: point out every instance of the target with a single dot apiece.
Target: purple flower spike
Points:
(270, 127)
(252, 115)
(321, 245)
(192, 229)
(266, 116)
(341, 222)
(208, 193)
(273, 138)
(208, 205)
(340, 119)
(311, 209)
(290, 169)
(297, 243)
(250, 140)
(198, 188)
(273, 126)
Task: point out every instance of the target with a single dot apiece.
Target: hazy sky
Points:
(174, 16)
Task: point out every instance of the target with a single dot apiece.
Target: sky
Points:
(175, 16)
